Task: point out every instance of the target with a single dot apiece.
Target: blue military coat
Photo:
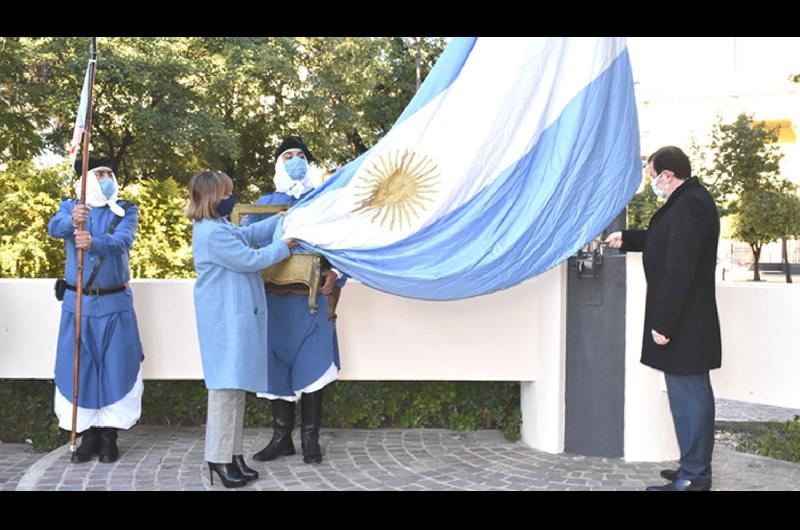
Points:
(302, 347)
(111, 351)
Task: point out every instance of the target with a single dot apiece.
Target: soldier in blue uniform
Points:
(110, 375)
(303, 355)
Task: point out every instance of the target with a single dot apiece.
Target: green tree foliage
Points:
(144, 117)
(788, 211)
(31, 197)
(743, 175)
(744, 159)
(170, 107)
(355, 89)
(162, 248)
(787, 218)
(642, 207)
(248, 88)
(163, 244)
(752, 224)
(765, 216)
(21, 114)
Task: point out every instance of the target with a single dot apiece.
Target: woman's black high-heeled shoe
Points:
(228, 473)
(249, 473)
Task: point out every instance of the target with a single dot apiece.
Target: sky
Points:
(666, 64)
(684, 84)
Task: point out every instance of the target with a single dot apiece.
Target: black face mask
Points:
(225, 206)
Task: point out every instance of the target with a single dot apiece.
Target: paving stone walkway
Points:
(15, 460)
(171, 458)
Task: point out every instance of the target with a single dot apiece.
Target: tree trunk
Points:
(787, 269)
(756, 255)
(229, 166)
(356, 143)
(117, 158)
(419, 59)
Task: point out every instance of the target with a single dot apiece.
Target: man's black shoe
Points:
(680, 485)
(669, 474)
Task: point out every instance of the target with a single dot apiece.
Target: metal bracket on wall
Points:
(589, 259)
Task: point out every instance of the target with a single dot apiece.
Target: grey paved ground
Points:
(167, 458)
(171, 458)
(15, 459)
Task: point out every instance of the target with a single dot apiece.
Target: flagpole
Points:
(81, 226)
(418, 59)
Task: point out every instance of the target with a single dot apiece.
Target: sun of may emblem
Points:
(396, 188)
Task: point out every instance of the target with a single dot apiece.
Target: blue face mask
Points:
(225, 206)
(108, 187)
(296, 167)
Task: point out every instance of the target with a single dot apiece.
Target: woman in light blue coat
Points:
(231, 310)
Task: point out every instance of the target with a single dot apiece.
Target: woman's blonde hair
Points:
(206, 191)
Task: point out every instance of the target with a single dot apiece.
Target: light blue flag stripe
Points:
(581, 173)
(444, 72)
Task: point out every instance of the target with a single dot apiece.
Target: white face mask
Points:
(661, 194)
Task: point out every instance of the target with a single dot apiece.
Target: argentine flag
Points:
(512, 156)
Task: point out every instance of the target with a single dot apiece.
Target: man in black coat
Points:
(681, 325)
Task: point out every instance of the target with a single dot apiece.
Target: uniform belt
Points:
(274, 289)
(302, 290)
(94, 291)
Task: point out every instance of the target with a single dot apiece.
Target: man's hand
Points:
(291, 243)
(83, 239)
(330, 279)
(614, 240)
(658, 338)
(80, 214)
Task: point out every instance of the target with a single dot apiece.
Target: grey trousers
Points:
(225, 425)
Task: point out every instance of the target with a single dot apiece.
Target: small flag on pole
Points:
(80, 121)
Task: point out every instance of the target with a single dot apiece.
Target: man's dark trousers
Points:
(691, 401)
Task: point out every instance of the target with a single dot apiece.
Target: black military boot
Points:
(282, 425)
(311, 408)
(109, 452)
(90, 446)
